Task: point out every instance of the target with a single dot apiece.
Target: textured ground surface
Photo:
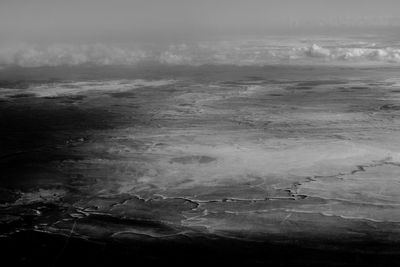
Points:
(227, 160)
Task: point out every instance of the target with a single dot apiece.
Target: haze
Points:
(122, 20)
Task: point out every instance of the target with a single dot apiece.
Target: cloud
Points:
(354, 54)
(71, 55)
(252, 52)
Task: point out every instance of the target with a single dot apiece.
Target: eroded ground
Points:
(293, 158)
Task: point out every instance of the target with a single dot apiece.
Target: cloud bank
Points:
(254, 52)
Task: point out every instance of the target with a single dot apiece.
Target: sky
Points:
(102, 20)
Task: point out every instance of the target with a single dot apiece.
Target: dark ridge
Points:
(276, 94)
(22, 95)
(41, 249)
(360, 87)
(123, 94)
(193, 160)
(323, 82)
(390, 107)
(73, 97)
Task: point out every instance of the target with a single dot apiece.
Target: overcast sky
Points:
(102, 20)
